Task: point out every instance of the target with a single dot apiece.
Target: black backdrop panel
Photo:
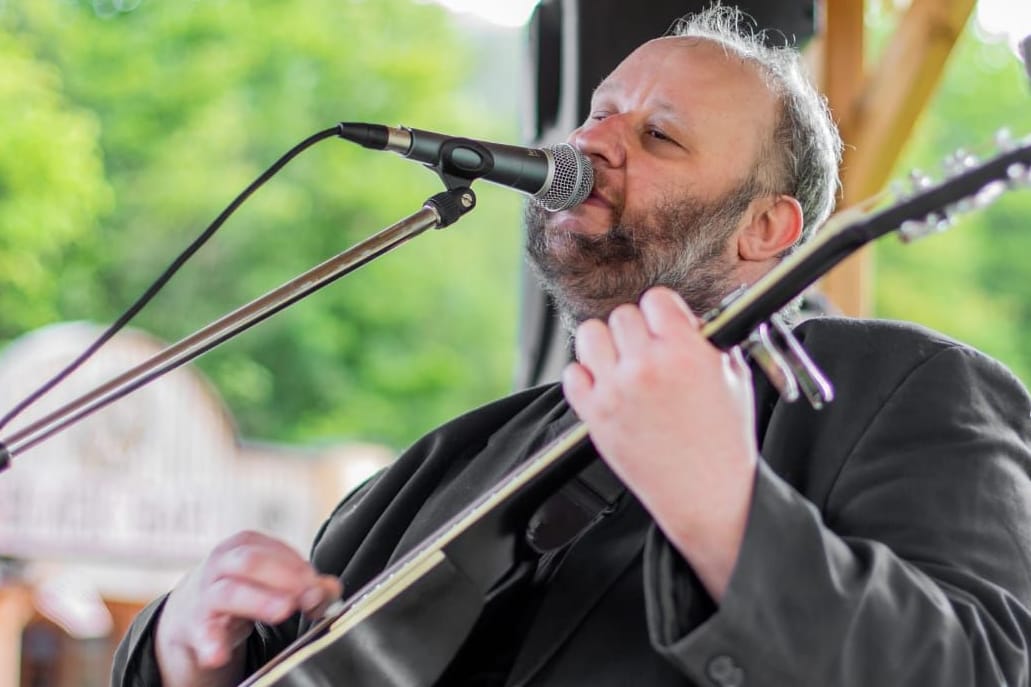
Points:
(573, 45)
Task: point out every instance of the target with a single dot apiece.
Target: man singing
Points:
(885, 540)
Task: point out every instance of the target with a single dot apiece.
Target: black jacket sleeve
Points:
(913, 568)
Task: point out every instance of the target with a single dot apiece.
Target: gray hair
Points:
(803, 156)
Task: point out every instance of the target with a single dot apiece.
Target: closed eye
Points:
(660, 135)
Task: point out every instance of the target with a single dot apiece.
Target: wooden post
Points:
(899, 89)
(877, 114)
(16, 610)
(842, 73)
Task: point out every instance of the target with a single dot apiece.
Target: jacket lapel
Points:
(591, 566)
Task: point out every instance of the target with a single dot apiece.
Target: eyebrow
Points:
(661, 104)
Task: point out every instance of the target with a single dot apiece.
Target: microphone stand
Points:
(439, 211)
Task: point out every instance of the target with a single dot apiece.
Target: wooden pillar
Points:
(842, 75)
(898, 90)
(16, 610)
(877, 113)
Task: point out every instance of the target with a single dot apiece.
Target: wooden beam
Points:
(841, 74)
(878, 117)
(898, 90)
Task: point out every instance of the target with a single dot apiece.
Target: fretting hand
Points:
(673, 416)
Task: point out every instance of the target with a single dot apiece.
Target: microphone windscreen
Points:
(571, 181)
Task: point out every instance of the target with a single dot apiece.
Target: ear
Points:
(775, 225)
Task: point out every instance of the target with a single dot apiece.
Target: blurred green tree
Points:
(52, 185)
(971, 282)
(190, 101)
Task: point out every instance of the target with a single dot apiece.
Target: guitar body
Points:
(406, 641)
(405, 627)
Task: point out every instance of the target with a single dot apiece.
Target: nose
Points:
(603, 140)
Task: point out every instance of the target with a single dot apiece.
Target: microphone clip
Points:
(462, 161)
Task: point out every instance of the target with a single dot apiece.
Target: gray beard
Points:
(681, 246)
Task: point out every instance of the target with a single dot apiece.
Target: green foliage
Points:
(52, 188)
(191, 101)
(972, 282)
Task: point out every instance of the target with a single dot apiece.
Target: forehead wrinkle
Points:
(607, 84)
(655, 102)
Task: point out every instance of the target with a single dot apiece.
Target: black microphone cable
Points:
(160, 282)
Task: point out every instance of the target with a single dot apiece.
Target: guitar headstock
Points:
(924, 208)
(970, 183)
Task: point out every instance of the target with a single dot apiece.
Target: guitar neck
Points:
(847, 232)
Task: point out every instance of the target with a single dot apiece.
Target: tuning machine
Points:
(787, 364)
(958, 164)
(1018, 173)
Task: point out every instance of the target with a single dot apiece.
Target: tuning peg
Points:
(919, 181)
(909, 186)
(941, 221)
(1019, 174)
(934, 223)
(989, 194)
(1004, 140)
(959, 162)
(961, 206)
(913, 230)
(898, 190)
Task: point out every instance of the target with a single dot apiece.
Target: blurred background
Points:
(127, 125)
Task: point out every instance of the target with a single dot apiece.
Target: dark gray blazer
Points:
(888, 542)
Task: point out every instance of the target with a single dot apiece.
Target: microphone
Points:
(558, 177)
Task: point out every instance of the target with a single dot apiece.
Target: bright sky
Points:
(1010, 18)
(502, 12)
(1005, 18)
